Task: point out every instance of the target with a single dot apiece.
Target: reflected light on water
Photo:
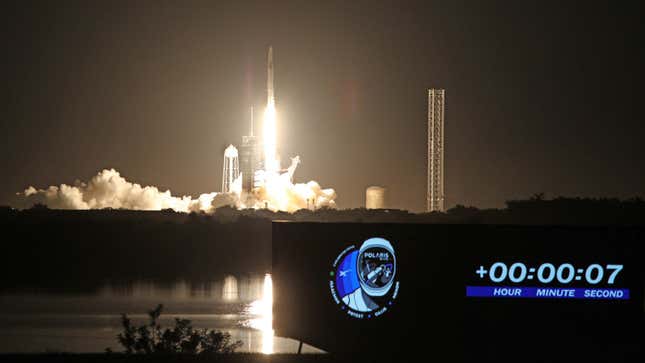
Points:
(263, 309)
(229, 289)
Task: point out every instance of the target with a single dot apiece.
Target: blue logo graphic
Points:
(363, 280)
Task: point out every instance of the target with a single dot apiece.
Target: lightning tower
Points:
(435, 192)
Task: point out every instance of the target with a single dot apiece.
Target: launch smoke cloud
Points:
(108, 189)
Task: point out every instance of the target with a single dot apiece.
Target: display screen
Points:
(463, 292)
(584, 283)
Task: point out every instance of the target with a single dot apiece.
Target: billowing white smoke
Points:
(108, 189)
(280, 193)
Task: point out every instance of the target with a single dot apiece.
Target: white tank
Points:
(375, 197)
(231, 170)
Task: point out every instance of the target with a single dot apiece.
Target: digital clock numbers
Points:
(517, 280)
(547, 273)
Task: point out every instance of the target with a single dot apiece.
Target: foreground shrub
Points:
(182, 339)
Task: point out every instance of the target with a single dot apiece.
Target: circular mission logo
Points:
(362, 280)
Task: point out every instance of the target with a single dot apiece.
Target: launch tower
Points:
(250, 158)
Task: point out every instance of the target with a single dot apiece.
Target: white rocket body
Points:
(270, 98)
(271, 162)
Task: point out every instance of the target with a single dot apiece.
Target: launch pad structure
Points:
(250, 158)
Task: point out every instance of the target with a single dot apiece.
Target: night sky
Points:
(540, 97)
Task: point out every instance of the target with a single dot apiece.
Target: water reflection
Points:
(267, 330)
(229, 290)
(33, 321)
(261, 311)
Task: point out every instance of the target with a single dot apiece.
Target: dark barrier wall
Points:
(461, 292)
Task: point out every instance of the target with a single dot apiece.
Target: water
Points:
(62, 321)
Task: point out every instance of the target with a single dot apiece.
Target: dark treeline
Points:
(84, 249)
(62, 248)
(533, 211)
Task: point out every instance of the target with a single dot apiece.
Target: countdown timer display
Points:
(461, 293)
(574, 282)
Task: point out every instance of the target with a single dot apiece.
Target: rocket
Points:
(271, 163)
(270, 98)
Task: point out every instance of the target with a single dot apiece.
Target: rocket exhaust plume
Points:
(269, 138)
(277, 190)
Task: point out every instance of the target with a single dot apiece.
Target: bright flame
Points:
(279, 193)
(270, 139)
(267, 331)
(263, 308)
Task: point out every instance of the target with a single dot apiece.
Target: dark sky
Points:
(541, 97)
